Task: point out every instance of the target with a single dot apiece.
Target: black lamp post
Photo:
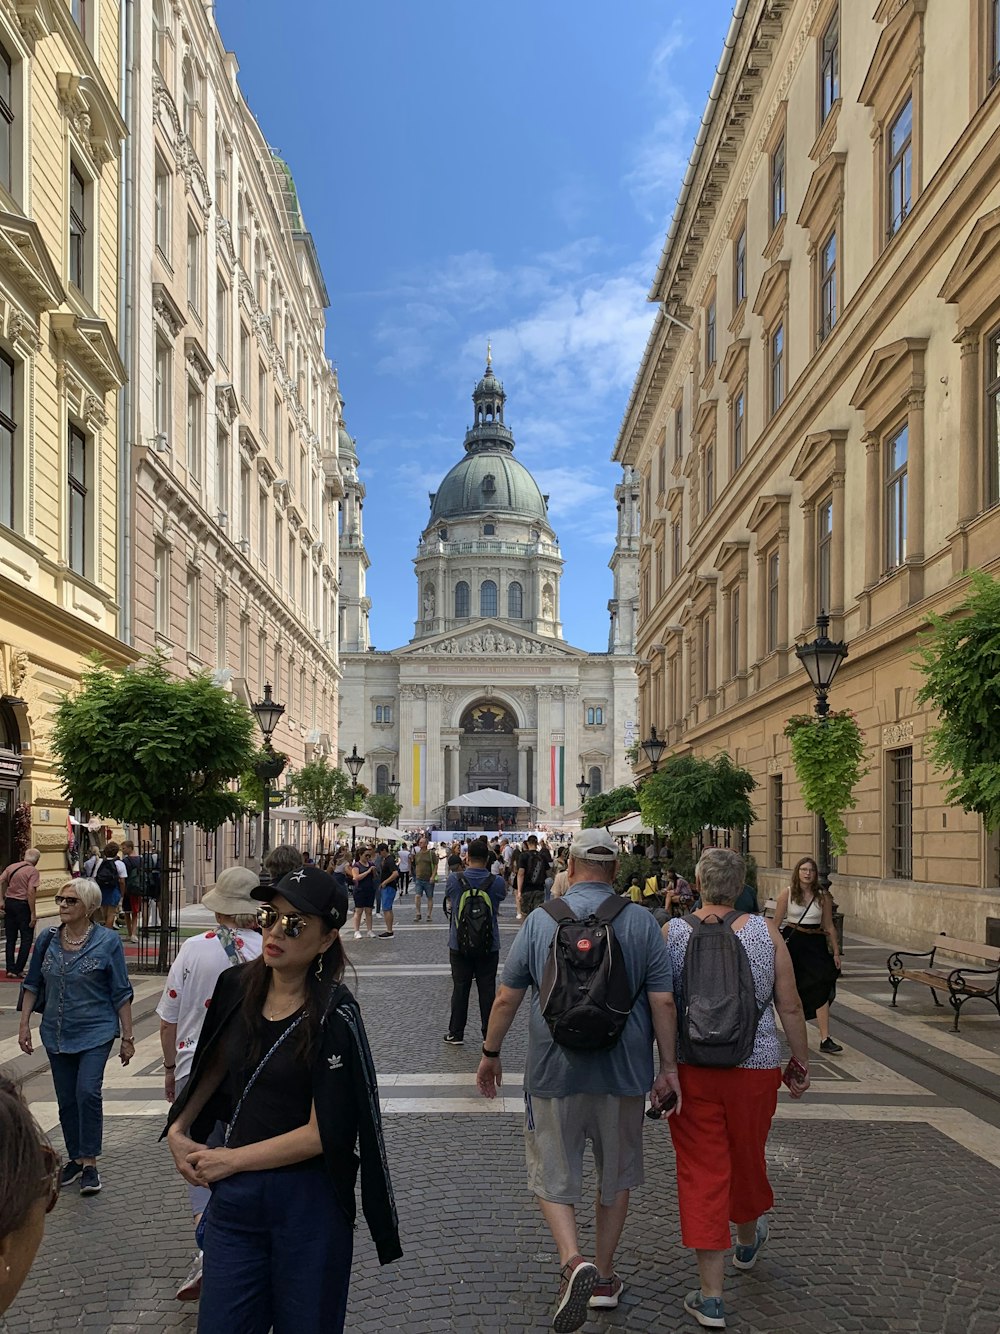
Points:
(654, 747)
(822, 658)
(268, 714)
(355, 763)
(393, 786)
(583, 787)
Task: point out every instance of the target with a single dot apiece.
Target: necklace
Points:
(284, 1008)
(69, 940)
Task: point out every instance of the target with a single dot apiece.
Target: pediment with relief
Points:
(492, 638)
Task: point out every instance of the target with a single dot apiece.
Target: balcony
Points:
(488, 546)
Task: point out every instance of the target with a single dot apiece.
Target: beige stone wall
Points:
(916, 306)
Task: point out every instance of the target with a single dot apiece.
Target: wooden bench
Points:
(961, 983)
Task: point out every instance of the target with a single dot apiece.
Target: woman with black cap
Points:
(283, 1061)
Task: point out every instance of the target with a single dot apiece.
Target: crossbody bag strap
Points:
(253, 1078)
(804, 911)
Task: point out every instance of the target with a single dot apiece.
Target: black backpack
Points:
(718, 1022)
(585, 996)
(535, 876)
(106, 875)
(474, 919)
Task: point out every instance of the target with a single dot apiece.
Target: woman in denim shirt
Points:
(87, 996)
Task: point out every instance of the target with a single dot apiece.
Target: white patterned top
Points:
(755, 938)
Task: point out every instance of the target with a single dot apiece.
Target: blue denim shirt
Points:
(84, 990)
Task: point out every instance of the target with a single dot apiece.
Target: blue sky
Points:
(469, 171)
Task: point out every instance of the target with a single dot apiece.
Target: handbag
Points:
(788, 931)
(42, 948)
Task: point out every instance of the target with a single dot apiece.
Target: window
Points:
(245, 504)
(277, 671)
(489, 529)
(824, 552)
(901, 810)
(8, 432)
(383, 713)
(382, 779)
(245, 364)
(515, 601)
(776, 378)
(6, 120)
(77, 500)
(829, 67)
(221, 628)
(710, 340)
(222, 321)
(77, 229)
(777, 821)
(261, 660)
(195, 433)
(278, 442)
(487, 598)
(262, 397)
(462, 600)
(193, 265)
(896, 449)
(773, 595)
(675, 546)
(595, 716)
(161, 588)
(162, 210)
(740, 269)
(828, 285)
(262, 528)
(706, 655)
(78, 8)
(739, 428)
(163, 388)
(735, 611)
(778, 183)
(678, 433)
(193, 610)
(899, 170)
(993, 417)
(245, 647)
(190, 103)
(596, 781)
(160, 35)
(994, 42)
(279, 548)
(709, 477)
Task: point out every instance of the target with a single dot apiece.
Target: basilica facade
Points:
(487, 693)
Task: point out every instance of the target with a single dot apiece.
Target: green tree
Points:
(323, 791)
(144, 747)
(688, 793)
(383, 806)
(960, 662)
(608, 806)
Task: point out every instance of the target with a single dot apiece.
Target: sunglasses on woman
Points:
(291, 923)
(62, 901)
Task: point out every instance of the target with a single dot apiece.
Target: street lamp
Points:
(355, 763)
(654, 747)
(822, 659)
(583, 787)
(393, 786)
(268, 714)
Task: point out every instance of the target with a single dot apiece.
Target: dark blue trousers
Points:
(278, 1252)
(79, 1078)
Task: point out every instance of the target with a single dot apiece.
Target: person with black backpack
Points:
(472, 899)
(601, 990)
(111, 875)
(729, 966)
(532, 872)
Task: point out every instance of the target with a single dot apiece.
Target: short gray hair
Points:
(721, 874)
(282, 860)
(87, 891)
(603, 871)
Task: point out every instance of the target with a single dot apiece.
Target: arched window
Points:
(595, 781)
(382, 779)
(462, 605)
(160, 35)
(515, 601)
(190, 103)
(487, 598)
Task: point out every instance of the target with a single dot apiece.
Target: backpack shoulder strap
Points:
(611, 907)
(463, 884)
(559, 911)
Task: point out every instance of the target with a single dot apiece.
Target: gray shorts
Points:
(556, 1131)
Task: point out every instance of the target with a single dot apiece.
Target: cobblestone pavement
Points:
(887, 1184)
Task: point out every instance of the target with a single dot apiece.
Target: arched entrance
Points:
(488, 747)
(10, 778)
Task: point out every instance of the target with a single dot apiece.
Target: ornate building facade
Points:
(60, 458)
(487, 693)
(233, 409)
(814, 422)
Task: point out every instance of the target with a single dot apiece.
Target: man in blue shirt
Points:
(464, 967)
(572, 1096)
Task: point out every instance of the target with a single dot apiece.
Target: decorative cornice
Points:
(169, 315)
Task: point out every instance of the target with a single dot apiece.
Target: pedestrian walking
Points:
(281, 861)
(132, 900)
(78, 980)
(424, 871)
(388, 885)
(730, 1091)
(594, 1090)
(283, 1060)
(184, 1005)
(108, 870)
(532, 873)
(29, 1189)
(403, 862)
(18, 888)
(472, 899)
(363, 875)
(804, 916)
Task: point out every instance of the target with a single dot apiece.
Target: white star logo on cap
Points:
(298, 875)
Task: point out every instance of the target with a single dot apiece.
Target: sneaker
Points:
(607, 1292)
(190, 1289)
(370, 935)
(709, 1312)
(72, 1171)
(830, 1047)
(579, 1278)
(418, 919)
(386, 935)
(745, 1257)
(90, 1183)
(453, 1041)
(357, 935)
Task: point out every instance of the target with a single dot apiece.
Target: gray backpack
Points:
(718, 1022)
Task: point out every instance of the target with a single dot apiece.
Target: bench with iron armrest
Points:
(962, 983)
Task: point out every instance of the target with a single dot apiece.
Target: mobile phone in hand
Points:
(667, 1105)
(795, 1073)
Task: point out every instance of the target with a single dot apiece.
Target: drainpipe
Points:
(126, 296)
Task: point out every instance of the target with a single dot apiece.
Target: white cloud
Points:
(659, 160)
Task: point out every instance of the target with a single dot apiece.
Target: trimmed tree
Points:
(608, 806)
(382, 805)
(689, 793)
(322, 791)
(147, 748)
(960, 662)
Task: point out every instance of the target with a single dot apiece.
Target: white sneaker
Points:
(357, 935)
(370, 935)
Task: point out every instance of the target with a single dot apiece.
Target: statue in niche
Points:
(548, 606)
(429, 603)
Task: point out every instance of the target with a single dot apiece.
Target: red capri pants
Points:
(719, 1137)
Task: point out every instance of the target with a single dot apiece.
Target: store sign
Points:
(11, 768)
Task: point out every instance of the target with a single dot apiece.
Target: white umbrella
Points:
(628, 825)
(387, 833)
(356, 820)
(488, 796)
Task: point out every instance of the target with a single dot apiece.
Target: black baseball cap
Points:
(310, 890)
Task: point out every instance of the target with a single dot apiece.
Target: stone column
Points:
(435, 756)
(837, 548)
(571, 733)
(969, 428)
(809, 608)
(873, 505)
(454, 771)
(405, 771)
(543, 750)
(522, 771)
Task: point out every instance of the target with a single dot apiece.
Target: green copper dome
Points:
(489, 481)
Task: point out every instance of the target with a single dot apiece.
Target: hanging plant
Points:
(22, 830)
(828, 755)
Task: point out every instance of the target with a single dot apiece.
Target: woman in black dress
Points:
(365, 885)
(804, 915)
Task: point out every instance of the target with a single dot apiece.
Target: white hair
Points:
(87, 891)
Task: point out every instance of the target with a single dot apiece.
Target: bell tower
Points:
(354, 561)
(624, 565)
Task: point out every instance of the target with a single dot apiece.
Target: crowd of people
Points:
(272, 1090)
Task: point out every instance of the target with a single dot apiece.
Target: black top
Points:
(526, 862)
(281, 1098)
(389, 865)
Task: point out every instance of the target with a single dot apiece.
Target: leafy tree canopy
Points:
(608, 806)
(383, 805)
(689, 793)
(322, 790)
(960, 662)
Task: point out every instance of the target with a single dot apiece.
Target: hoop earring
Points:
(319, 968)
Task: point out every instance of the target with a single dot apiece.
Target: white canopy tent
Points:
(488, 797)
(628, 826)
(387, 834)
(356, 820)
